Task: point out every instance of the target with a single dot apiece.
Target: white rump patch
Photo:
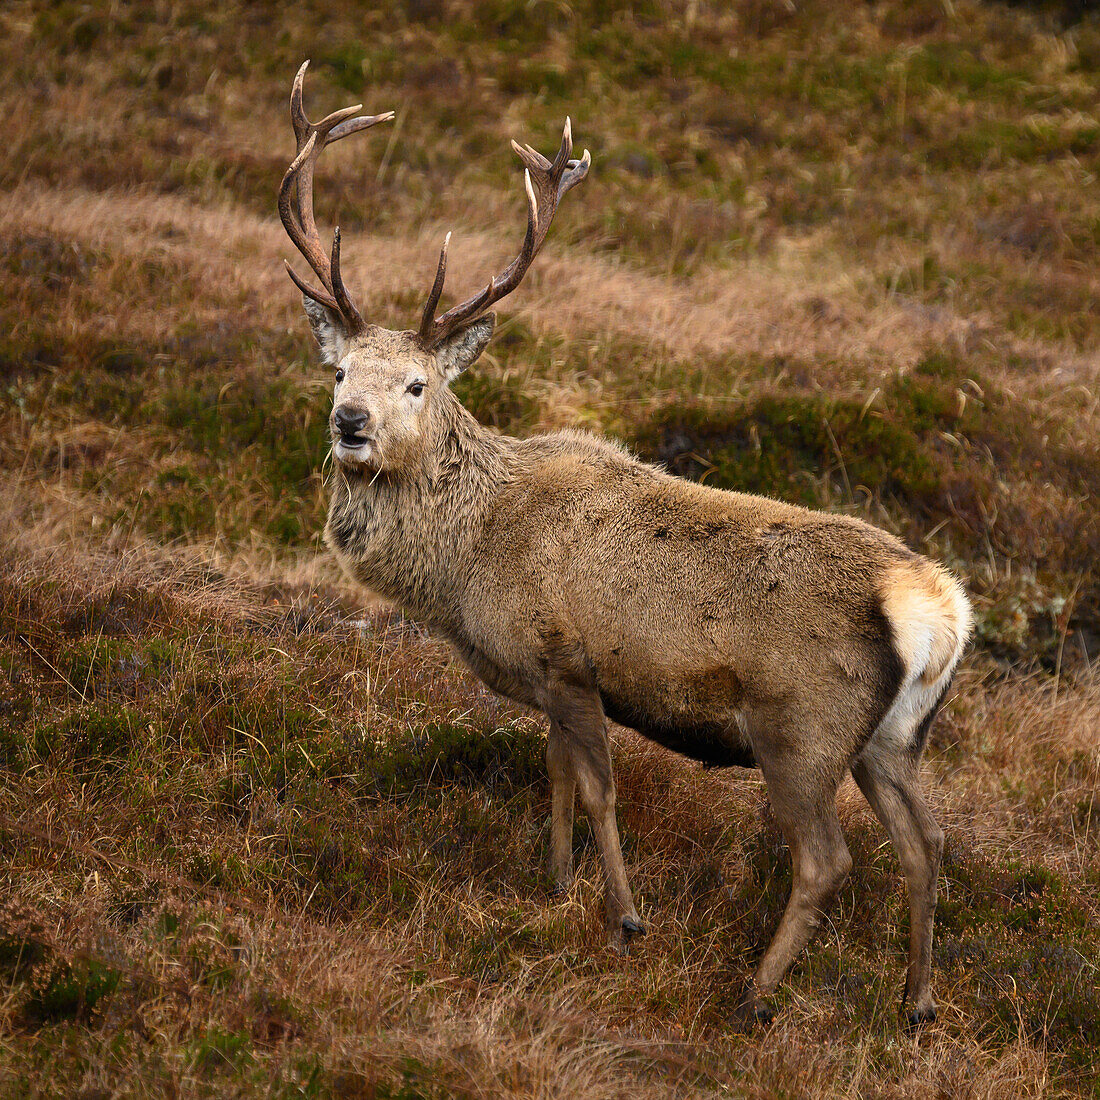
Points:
(930, 619)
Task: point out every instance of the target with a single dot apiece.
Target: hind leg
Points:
(563, 797)
(803, 801)
(888, 776)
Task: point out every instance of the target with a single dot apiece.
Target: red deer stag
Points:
(572, 578)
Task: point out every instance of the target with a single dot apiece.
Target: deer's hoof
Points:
(918, 1015)
(754, 1010)
(621, 932)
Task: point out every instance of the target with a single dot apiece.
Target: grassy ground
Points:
(263, 837)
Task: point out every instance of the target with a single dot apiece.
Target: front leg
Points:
(563, 796)
(579, 735)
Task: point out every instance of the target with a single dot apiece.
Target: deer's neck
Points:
(408, 536)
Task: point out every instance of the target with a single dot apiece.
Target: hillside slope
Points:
(262, 836)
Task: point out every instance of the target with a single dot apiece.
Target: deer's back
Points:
(696, 610)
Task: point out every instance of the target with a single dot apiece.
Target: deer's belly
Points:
(717, 741)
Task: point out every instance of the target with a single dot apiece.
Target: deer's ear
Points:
(328, 330)
(462, 348)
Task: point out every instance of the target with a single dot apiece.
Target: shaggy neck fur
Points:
(385, 527)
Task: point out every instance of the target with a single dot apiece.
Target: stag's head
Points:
(387, 383)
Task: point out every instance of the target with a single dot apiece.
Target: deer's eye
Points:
(339, 377)
(416, 389)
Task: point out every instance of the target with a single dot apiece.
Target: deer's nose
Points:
(349, 420)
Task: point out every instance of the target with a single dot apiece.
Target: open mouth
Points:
(353, 450)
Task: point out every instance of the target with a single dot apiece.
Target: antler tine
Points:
(303, 127)
(297, 212)
(428, 315)
(321, 296)
(565, 148)
(339, 291)
(545, 182)
(297, 112)
(299, 224)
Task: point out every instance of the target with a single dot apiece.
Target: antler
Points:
(297, 216)
(545, 183)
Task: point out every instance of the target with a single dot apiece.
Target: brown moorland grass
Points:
(186, 806)
(262, 836)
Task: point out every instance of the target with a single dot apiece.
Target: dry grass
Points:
(270, 893)
(263, 837)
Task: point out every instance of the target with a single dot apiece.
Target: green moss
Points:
(792, 446)
(332, 868)
(273, 417)
(71, 992)
(254, 451)
(1026, 941)
(91, 738)
(957, 67)
(347, 64)
(100, 666)
(441, 755)
(219, 1049)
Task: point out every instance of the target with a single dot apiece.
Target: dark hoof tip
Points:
(632, 928)
(915, 1017)
(754, 1010)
